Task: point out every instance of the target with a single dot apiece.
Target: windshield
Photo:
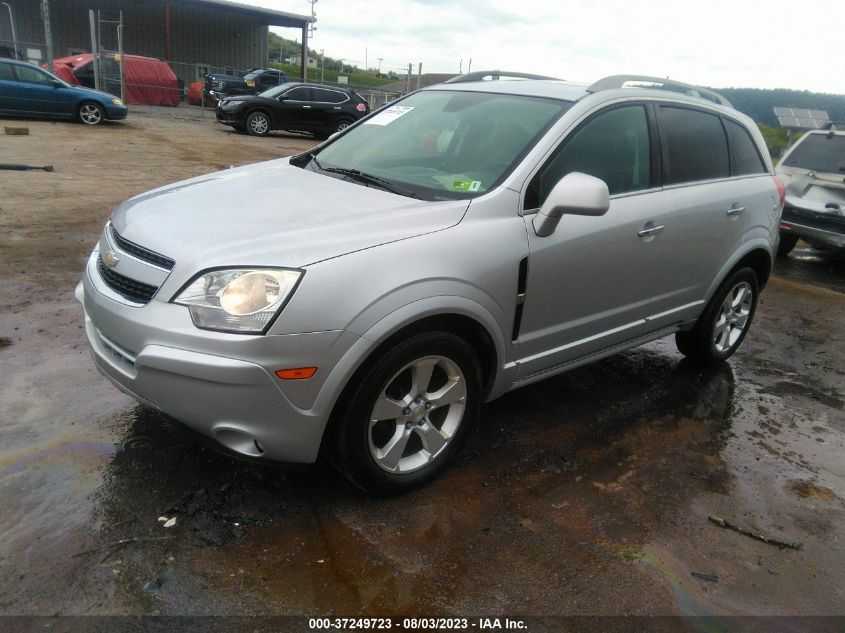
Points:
(274, 92)
(817, 152)
(445, 144)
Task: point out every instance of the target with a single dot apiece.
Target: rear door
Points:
(712, 188)
(38, 94)
(327, 107)
(9, 97)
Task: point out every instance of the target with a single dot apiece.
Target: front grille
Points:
(136, 291)
(144, 254)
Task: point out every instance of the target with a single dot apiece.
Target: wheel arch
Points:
(756, 255)
(395, 327)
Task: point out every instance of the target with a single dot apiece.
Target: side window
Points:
(299, 94)
(745, 159)
(6, 72)
(613, 146)
(32, 75)
(328, 96)
(694, 145)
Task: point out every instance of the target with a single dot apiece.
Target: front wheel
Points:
(725, 321)
(409, 413)
(258, 124)
(91, 113)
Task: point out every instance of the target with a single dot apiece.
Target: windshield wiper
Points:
(367, 179)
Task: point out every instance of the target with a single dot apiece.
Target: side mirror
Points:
(574, 194)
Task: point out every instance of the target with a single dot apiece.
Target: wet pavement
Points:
(588, 493)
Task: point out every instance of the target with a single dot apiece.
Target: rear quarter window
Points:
(745, 158)
(694, 145)
(6, 72)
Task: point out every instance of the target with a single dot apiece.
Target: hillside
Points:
(759, 104)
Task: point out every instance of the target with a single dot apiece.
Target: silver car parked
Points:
(362, 300)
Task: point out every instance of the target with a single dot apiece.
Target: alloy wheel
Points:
(417, 414)
(733, 317)
(90, 114)
(259, 124)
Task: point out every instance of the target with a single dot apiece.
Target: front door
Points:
(293, 112)
(589, 283)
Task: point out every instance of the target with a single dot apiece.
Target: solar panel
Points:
(802, 118)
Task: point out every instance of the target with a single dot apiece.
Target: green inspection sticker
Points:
(465, 185)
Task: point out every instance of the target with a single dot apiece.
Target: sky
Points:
(718, 43)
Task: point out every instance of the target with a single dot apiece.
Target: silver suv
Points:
(362, 300)
(813, 172)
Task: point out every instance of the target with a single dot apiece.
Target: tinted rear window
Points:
(6, 72)
(745, 159)
(695, 145)
(327, 96)
(819, 153)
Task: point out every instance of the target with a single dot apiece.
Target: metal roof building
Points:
(194, 36)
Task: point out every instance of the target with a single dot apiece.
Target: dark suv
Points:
(253, 82)
(294, 107)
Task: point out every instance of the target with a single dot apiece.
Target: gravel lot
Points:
(588, 493)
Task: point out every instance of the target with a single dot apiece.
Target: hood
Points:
(273, 214)
(89, 91)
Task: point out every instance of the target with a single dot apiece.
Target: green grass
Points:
(330, 76)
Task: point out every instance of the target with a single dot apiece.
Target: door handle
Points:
(735, 211)
(651, 231)
(306, 107)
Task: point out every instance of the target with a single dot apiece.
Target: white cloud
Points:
(722, 43)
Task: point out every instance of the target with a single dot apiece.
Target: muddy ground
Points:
(588, 493)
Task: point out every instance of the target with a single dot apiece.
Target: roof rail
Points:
(619, 81)
(480, 75)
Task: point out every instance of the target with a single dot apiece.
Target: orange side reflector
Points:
(302, 373)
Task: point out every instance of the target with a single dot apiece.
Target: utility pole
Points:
(366, 60)
(48, 33)
(322, 64)
(469, 66)
(408, 80)
(419, 75)
(95, 47)
(14, 36)
(379, 65)
(461, 67)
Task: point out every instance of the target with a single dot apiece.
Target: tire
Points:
(258, 124)
(341, 124)
(391, 455)
(787, 243)
(725, 321)
(90, 113)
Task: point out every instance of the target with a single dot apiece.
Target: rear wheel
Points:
(258, 124)
(91, 113)
(408, 416)
(725, 321)
(341, 124)
(787, 243)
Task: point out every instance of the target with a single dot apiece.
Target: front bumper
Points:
(229, 117)
(221, 385)
(814, 226)
(116, 112)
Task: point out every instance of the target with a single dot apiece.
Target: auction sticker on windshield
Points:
(389, 116)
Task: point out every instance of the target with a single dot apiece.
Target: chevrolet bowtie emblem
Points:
(110, 259)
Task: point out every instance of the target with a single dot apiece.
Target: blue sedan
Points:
(27, 90)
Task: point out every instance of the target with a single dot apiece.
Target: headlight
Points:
(117, 101)
(238, 300)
